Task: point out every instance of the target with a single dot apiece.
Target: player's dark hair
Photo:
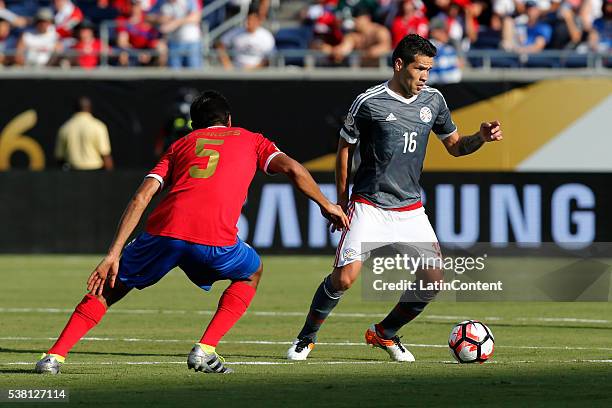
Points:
(412, 45)
(83, 104)
(208, 109)
(253, 10)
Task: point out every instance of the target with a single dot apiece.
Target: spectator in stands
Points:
(87, 47)
(589, 11)
(67, 17)
(136, 34)
(123, 7)
(526, 37)
(10, 17)
(83, 142)
(447, 64)
(472, 13)
(567, 26)
(179, 21)
(451, 11)
(600, 36)
(371, 39)
(8, 42)
(262, 7)
(503, 9)
(98, 11)
(326, 27)
(250, 45)
(347, 9)
(409, 20)
(37, 46)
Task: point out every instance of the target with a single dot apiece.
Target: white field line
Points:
(286, 343)
(299, 314)
(29, 363)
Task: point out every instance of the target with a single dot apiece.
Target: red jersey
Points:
(208, 173)
(89, 53)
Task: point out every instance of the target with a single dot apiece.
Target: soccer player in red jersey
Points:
(206, 174)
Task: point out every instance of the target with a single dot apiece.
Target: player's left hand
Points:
(491, 131)
(106, 270)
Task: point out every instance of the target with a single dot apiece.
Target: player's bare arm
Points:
(304, 182)
(344, 159)
(108, 268)
(464, 145)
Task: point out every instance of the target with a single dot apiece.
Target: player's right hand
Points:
(336, 216)
(106, 270)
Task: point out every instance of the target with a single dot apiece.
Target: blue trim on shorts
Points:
(148, 258)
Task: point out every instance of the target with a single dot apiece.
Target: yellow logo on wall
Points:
(13, 140)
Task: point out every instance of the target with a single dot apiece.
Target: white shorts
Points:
(372, 227)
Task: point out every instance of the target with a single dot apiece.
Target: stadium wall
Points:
(61, 212)
(547, 181)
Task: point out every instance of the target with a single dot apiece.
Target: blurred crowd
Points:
(374, 27)
(169, 32)
(138, 32)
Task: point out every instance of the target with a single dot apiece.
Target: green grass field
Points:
(557, 354)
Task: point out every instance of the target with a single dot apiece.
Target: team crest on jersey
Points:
(349, 121)
(425, 114)
(349, 253)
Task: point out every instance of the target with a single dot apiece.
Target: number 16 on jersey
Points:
(410, 142)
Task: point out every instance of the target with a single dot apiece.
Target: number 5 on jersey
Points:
(197, 172)
(410, 142)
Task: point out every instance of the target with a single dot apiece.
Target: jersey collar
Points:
(399, 97)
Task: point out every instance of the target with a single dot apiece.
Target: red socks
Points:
(232, 305)
(86, 315)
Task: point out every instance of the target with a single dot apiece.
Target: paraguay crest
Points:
(425, 114)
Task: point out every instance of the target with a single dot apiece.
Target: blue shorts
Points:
(149, 258)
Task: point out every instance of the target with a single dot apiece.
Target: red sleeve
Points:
(266, 150)
(163, 170)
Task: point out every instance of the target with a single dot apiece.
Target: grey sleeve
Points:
(443, 126)
(354, 122)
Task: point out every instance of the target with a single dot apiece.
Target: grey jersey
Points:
(392, 132)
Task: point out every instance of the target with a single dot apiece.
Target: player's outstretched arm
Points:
(344, 159)
(109, 267)
(303, 181)
(464, 145)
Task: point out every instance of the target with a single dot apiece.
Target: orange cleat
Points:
(396, 350)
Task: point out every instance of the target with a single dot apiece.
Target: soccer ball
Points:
(471, 341)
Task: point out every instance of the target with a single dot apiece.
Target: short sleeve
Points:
(443, 126)
(104, 146)
(163, 170)
(266, 151)
(545, 31)
(355, 118)
(268, 43)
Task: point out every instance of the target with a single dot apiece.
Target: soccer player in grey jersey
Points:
(392, 123)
